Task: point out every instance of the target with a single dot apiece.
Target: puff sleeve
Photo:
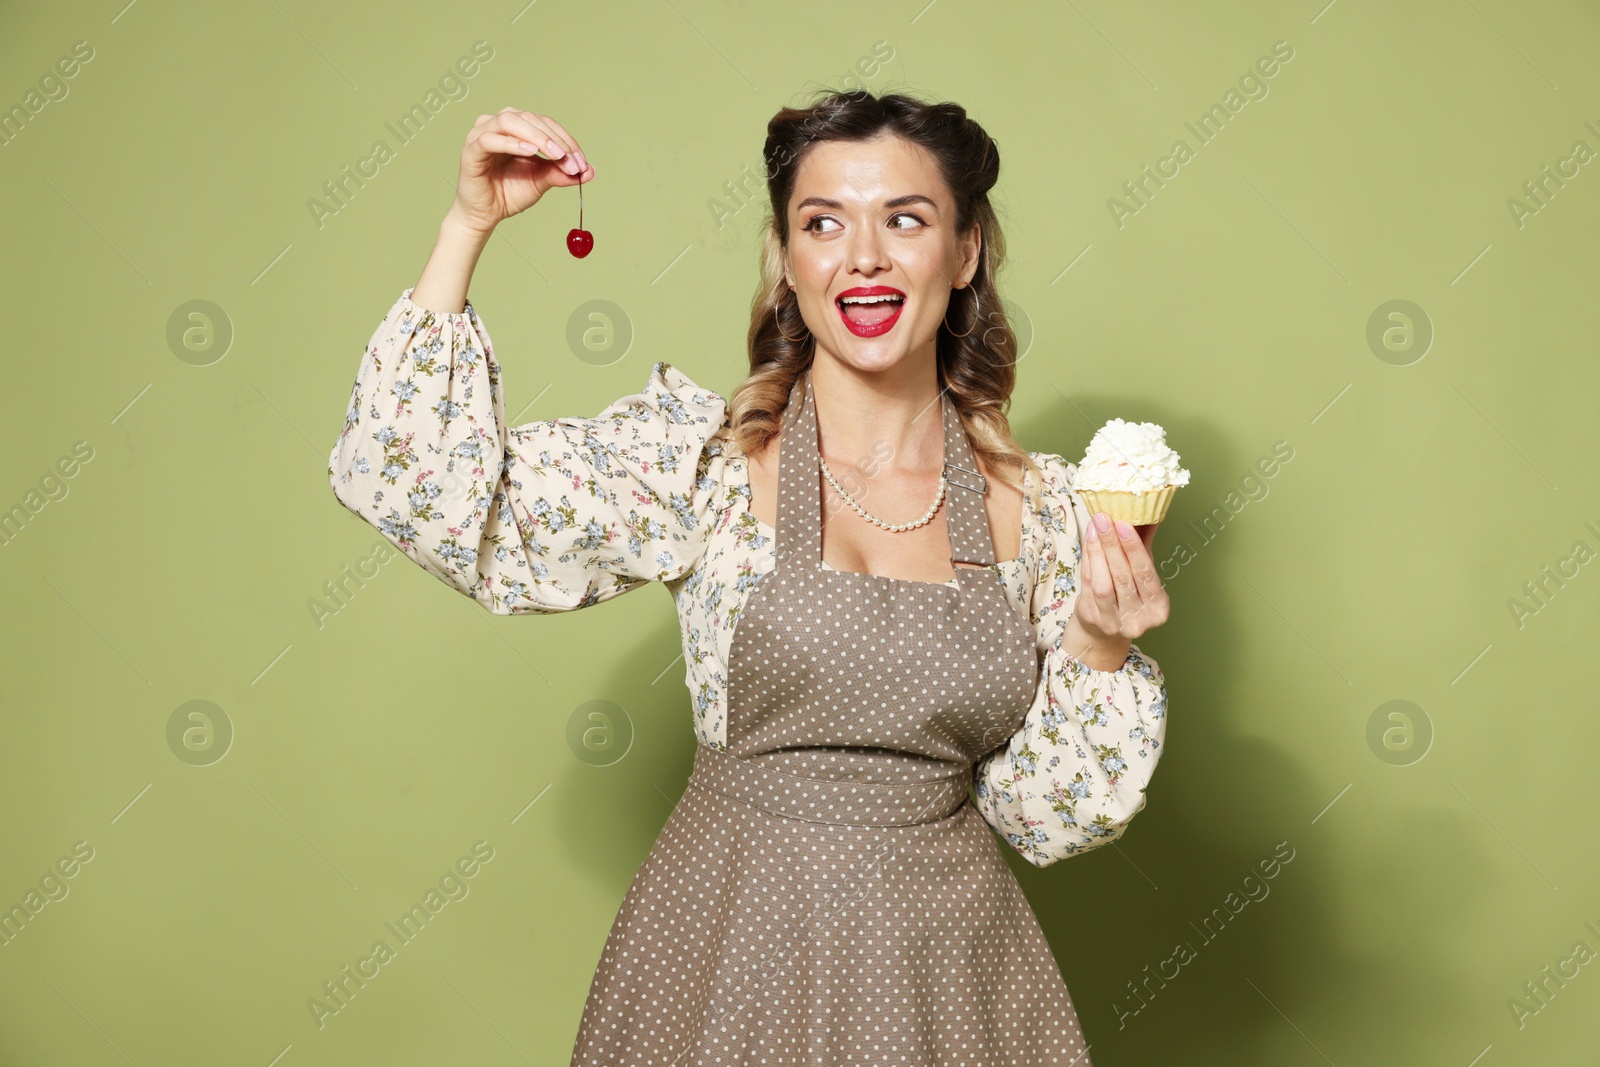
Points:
(1074, 774)
(542, 517)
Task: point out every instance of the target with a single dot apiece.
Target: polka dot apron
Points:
(825, 893)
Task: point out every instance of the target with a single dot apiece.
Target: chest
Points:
(853, 543)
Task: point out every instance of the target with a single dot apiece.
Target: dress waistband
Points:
(828, 800)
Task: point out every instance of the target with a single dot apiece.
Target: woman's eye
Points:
(815, 225)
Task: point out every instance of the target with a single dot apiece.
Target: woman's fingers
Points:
(570, 141)
(552, 131)
(537, 133)
(548, 137)
(1099, 580)
(507, 144)
(1144, 574)
(1115, 544)
(1120, 558)
(496, 136)
(557, 144)
(1120, 591)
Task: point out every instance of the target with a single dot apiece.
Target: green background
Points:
(369, 754)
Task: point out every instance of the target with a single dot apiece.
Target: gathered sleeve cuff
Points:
(1074, 774)
(541, 517)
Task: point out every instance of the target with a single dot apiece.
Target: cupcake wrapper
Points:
(1136, 509)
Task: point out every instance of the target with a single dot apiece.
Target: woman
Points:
(827, 890)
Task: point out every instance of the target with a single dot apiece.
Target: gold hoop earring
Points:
(778, 325)
(975, 316)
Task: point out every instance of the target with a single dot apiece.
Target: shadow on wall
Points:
(1209, 934)
(627, 757)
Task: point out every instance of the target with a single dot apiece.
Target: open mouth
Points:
(870, 311)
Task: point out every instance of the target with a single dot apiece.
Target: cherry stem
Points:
(580, 201)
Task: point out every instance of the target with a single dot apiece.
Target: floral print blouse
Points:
(569, 512)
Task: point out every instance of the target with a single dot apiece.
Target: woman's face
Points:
(876, 214)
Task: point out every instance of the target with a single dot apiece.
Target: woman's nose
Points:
(867, 250)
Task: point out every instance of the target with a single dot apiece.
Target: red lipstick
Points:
(873, 316)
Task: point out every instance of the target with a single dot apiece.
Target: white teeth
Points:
(868, 299)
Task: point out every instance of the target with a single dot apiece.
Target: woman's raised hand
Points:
(510, 159)
(1120, 595)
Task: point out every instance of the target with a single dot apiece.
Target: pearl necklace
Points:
(891, 527)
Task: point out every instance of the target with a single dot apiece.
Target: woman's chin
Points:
(874, 356)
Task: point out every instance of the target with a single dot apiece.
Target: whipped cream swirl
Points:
(1130, 457)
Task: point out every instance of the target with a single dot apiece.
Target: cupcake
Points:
(1129, 472)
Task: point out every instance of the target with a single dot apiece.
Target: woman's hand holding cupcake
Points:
(1120, 595)
(1127, 479)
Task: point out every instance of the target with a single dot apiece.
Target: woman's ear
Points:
(971, 246)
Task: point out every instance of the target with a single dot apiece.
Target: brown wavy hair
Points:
(978, 369)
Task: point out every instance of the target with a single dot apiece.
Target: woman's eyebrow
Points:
(899, 201)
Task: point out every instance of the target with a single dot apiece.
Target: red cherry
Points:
(580, 242)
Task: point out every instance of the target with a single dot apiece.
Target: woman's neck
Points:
(879, 420)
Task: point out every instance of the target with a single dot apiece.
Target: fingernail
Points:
(1102, 520)
(553, 148)
(527, 147)
(1094, 535)
(1124, 530)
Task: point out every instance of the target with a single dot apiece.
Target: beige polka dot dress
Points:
(825, 893)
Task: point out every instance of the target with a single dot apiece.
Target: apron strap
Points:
(965, 516)
(799, 528)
